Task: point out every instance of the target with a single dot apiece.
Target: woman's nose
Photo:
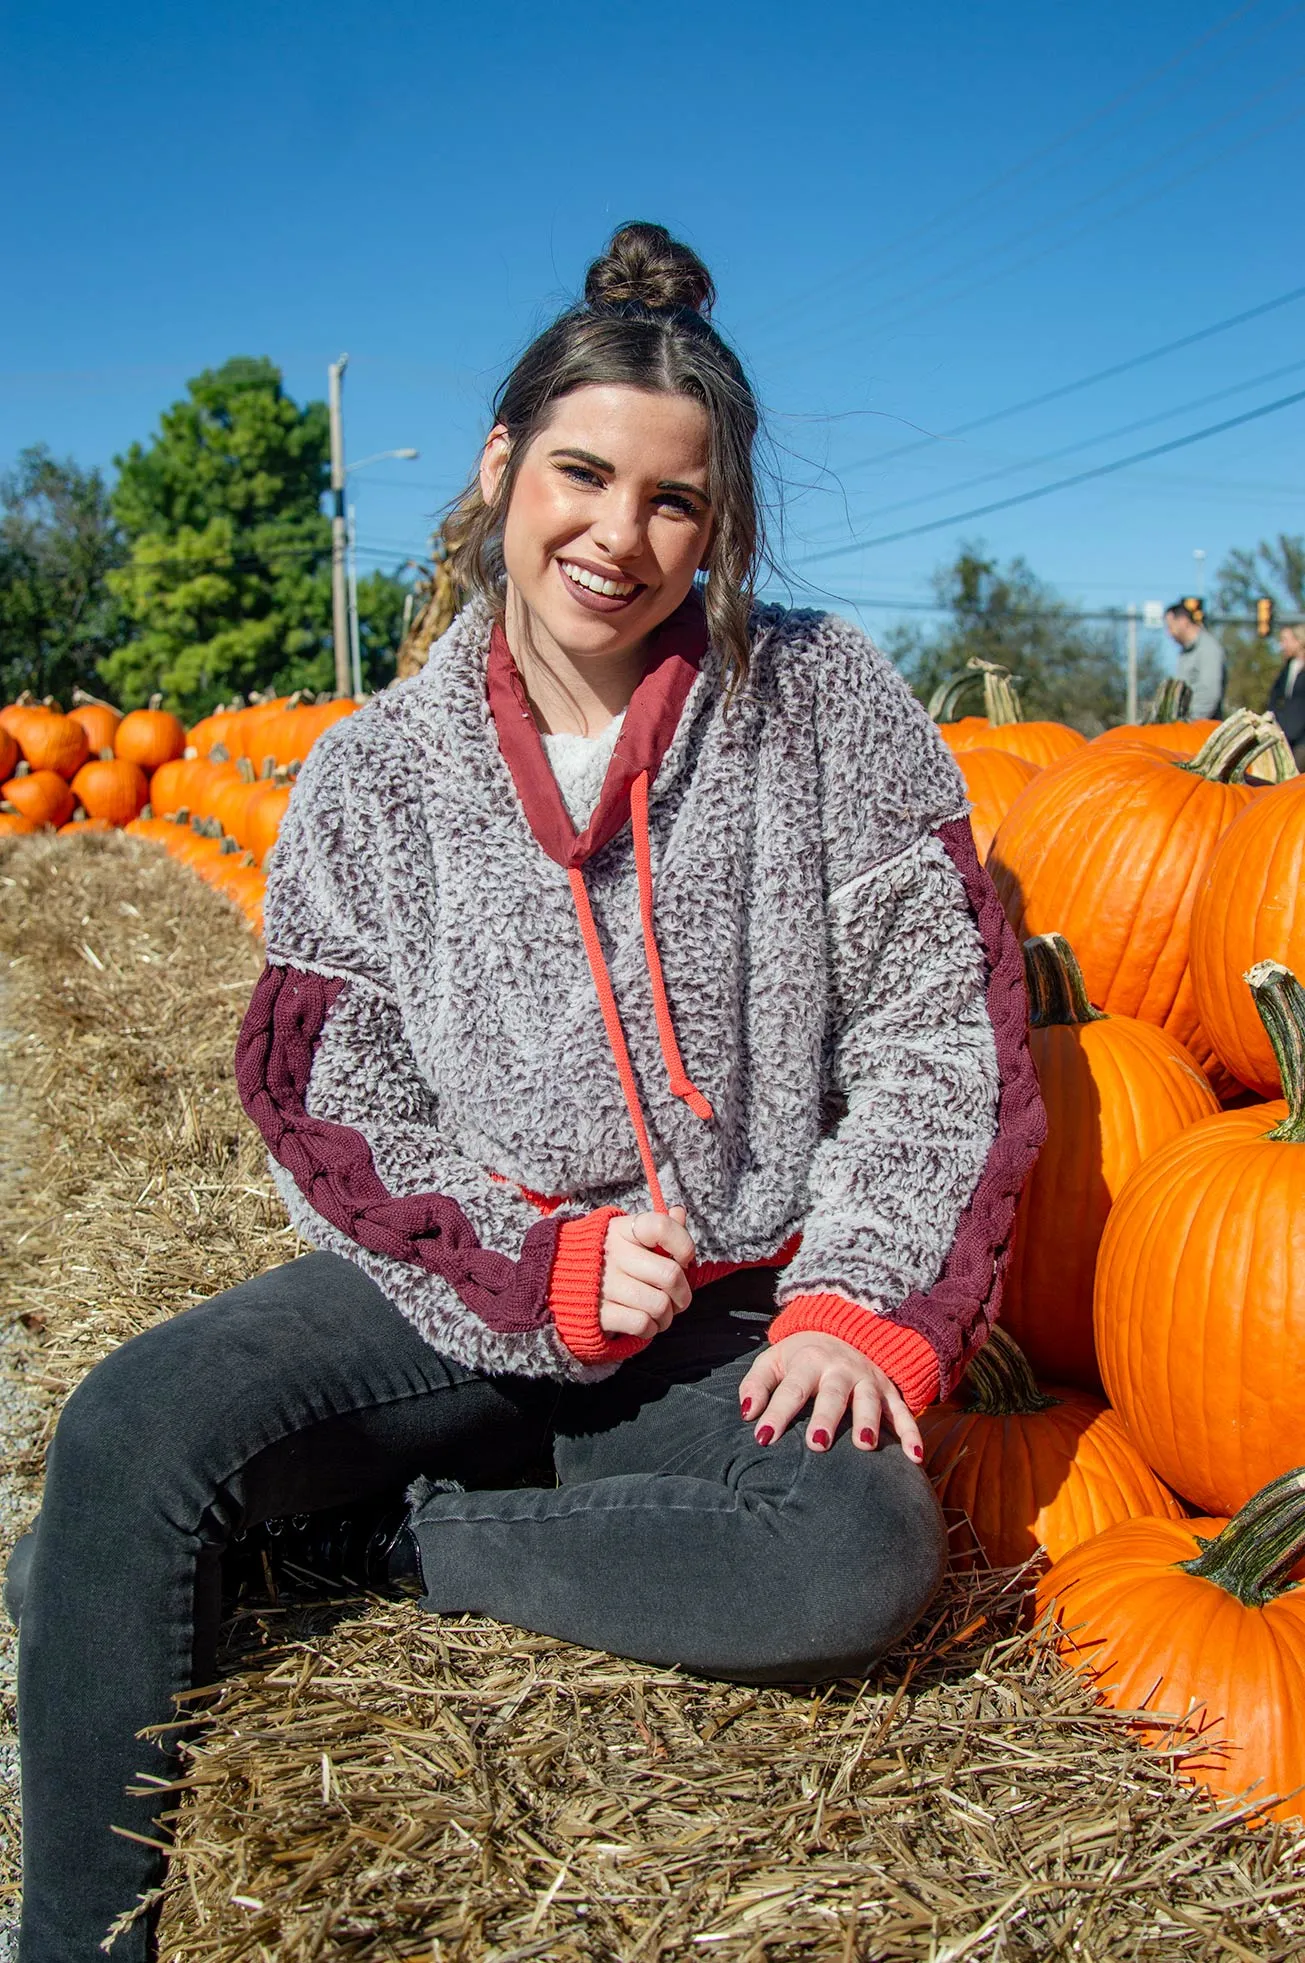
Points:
(619, 530)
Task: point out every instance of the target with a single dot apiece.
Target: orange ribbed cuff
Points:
(902, 1354)
(575, 1290)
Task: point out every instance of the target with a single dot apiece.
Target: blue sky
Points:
(918, 217)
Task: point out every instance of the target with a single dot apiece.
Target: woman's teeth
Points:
(613, 588)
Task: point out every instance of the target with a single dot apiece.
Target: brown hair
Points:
(645, 322)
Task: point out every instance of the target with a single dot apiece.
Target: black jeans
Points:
(672, 1537)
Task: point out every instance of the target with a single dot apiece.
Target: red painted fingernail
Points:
(867, 1436)
(917, 1451)
(747, 1406)
(820, 1439)
(765, 1435)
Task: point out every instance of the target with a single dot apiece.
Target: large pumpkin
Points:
(41, 795)
(1108, 849)
(1002, 726)
(1027, 1468)
(994, 779)
(1200, 1289)
(1250, 907)
(100, 721)
(263, 819)
(149, 737)
(1115, 1090)
(13, 824)
(1199, 1620)
(9, 754)
(112, 789)
(218, 731)
(53, 742)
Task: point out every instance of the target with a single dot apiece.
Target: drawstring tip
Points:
(697, 1103)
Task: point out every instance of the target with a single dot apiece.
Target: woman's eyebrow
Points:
(601, 463)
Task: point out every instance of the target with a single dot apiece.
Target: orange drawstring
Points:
(678, 1077)
(615, 1033)
(680, 1083)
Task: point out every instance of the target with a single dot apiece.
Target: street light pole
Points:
(339, 583)
(355, 649)
(353, 634)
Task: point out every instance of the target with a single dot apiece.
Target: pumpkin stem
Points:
(1259, 1547)
(1236, 740)
(946, 698)
(1057, 991)
(1001, 702)
(1280, 1003)
(1272, 753)
(1171, 701)
(81, 699)
(156, 701)
(999, 1383)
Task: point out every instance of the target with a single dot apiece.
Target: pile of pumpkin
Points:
(213, 796)
(1139, 1414)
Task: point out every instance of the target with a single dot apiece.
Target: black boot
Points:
(365, 1548)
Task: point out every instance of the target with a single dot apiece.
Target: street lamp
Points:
(355, 646)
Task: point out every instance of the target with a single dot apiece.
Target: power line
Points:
(1084, 443)
(850, 274)
(1062, 484)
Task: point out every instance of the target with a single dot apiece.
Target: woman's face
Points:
(609, 518)
(1292, 642)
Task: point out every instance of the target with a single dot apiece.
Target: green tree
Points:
(227, 586)
(1067, 670)
(1279, 571)
(58, 544)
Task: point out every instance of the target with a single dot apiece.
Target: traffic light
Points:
(1264, 617)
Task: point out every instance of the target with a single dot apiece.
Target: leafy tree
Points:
(1279, 571)
(227, 586)
(58, 543)
(1067, 671)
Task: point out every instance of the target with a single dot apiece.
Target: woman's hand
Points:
(827, 1373)
(645, 1284)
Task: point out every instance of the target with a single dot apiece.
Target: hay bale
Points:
(375, 1783)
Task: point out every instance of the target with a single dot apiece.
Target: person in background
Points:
(1201, 663)
(1287, 696)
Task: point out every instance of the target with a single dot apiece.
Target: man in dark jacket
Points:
(1287, 696)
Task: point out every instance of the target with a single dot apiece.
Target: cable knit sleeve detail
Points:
(901, 1353)
(575, 1290)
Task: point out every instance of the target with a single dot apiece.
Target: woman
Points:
(642, 1048)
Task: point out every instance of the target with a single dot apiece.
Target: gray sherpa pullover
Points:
(768, 981)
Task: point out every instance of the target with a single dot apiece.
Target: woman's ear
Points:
(493, 462)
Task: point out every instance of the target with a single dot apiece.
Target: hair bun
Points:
(646, 267)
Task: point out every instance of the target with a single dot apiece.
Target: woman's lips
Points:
(596, 602)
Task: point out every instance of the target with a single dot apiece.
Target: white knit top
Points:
(579, 764)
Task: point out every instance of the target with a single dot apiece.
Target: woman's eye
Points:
(685, 506)
(580, 475)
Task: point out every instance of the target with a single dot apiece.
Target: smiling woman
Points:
(663, 1110)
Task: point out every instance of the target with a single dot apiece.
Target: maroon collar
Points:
(650, 722)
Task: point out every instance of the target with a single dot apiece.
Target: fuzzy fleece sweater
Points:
(768, 980)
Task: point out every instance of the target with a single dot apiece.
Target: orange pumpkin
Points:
(994, 779)
(12, 823)
(1182, 739)
(250, 724)
(1108, 848)
(42, 795)
(1002, 727)
(100, 721)
(288, 736)
(112, 789)
(1200, 1291)
(215, 732)
(9, 754)
(1026, 1468)
(182, 785)
(1250, 907)
(1115, 1090)
(149, 737)
(76, 826)
(1198, 1620)
(263, 819)
(53, 742)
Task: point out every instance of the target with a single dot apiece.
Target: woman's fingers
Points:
(614, 1319)
(754, 1392)
(657, 1270)
(833, 1394)
(666, 1231)
(784, 1403)
(867, 1414)
(908, 1431)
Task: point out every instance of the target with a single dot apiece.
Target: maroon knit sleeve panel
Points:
(333, 1168)
(957, 1313)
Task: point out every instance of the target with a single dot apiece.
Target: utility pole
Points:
(355, 647)
(1199, 556)
(1130, 707)
(339, 582)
